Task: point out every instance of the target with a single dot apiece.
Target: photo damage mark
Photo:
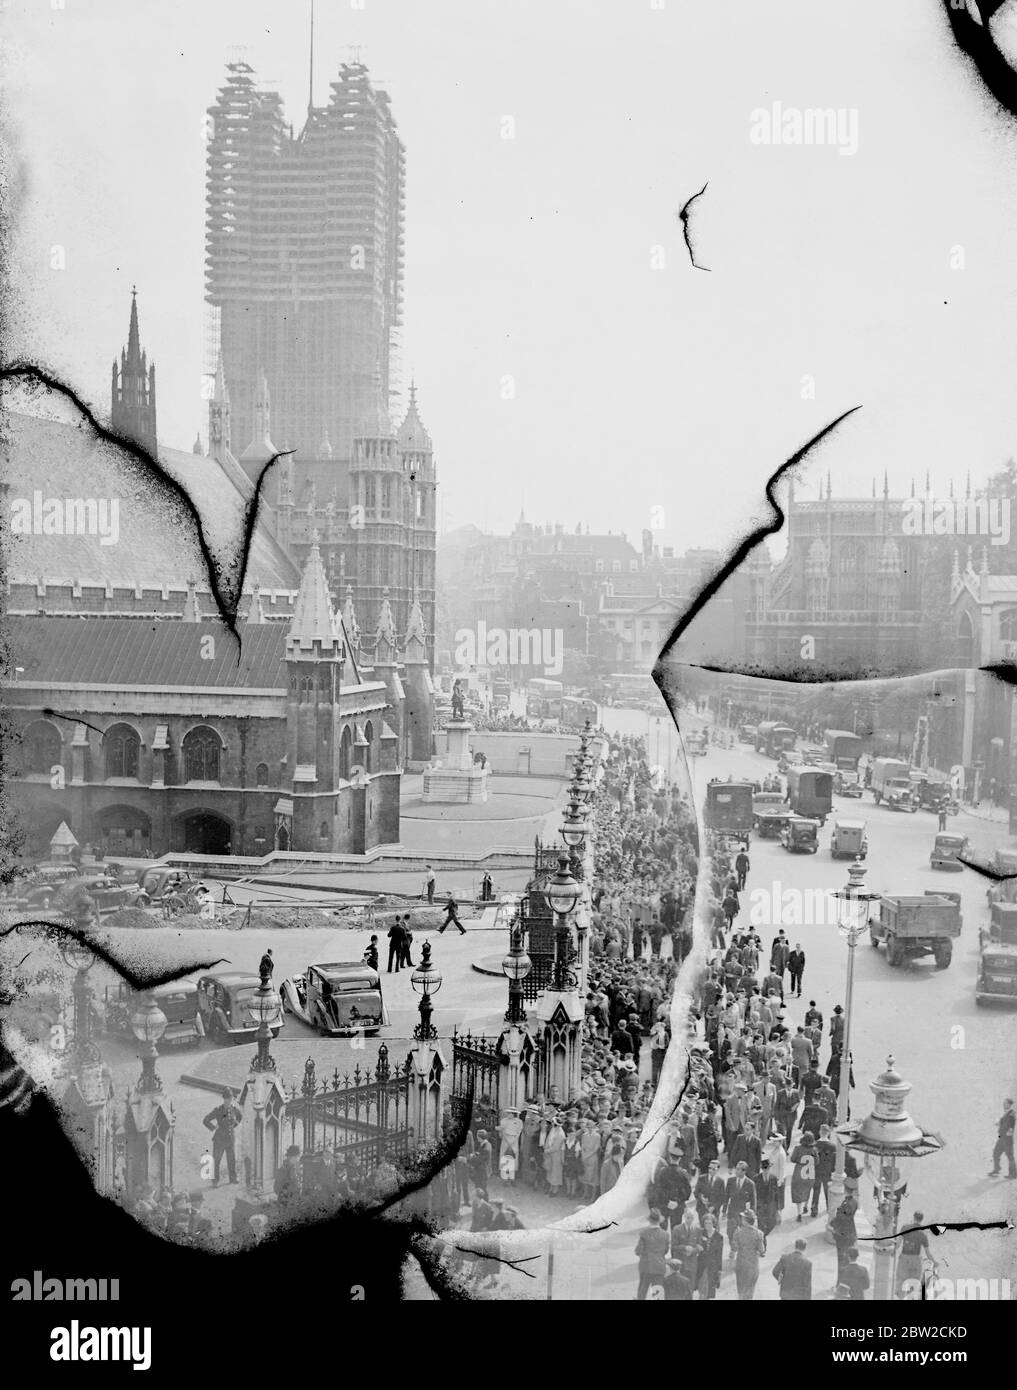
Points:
(683, 217)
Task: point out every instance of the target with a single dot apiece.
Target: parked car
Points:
(107, 893)
(342, 997)
(225, 1006)
(769, 821)
(177, 1000)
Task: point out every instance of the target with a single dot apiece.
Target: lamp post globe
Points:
(148, 1023)
(562, 890)
(515, 967)
(426, 981)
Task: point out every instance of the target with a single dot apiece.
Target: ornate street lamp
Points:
(574, 827)
(890, 1139)
(80, 955)
(148, 1023)
(853, 903)
(265, 1007)
(515, 967)
(562, 893)
(583, 788)
(426, 980)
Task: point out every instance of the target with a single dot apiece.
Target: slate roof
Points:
(157, 543)
(144, 652)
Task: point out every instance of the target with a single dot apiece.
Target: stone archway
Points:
(207, 833)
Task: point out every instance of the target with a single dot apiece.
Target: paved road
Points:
(961, 1060)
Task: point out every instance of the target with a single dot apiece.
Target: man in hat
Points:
(452, 916)
(223, 1121)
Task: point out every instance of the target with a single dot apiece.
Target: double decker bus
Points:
(544, 698)
(576, 710)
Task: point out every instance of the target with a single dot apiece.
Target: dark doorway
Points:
(282, 839)
(206, 834)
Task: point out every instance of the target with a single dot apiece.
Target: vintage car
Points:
(847, 783)
(106, 892)
(769, 821)
(997, 973)
(997, 965)
(341, 997)
(800, 835)
(225, 1006)
(849, 840)
(177, 1000)
(747, 733)
(947, 850)
(900, 796)
(697, 744)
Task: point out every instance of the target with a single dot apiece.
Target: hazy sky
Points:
(637, 387)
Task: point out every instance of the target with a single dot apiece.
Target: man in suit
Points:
(396, 945)
(711, 1190)
(779, 953)
(796, 968)
(793, 1273)
(739, 1196)
(826, 1161)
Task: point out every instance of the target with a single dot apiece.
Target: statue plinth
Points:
(458, 780)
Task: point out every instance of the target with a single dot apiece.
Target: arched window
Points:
(323, 830)
(202, 747)
(1008, 625)
(121, 746)
(261, 775)
(41, 746)
(345, 746)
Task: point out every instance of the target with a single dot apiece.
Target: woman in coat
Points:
(611, 1168)
(711, 1259)
(803, 1178)
(589, 1149)
(554, 1155)
(748, 1245)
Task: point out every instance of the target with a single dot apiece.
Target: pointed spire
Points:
(349, 616)
(261, 448)
(413, 436)
(873, 484)
(967, 490)
(829, 488)
(134, 354)
(385, 647)
(415, 646)
(196, 446)
(325, 447)
(886, 483)
(312, 628)
(912, 487)
(928, 486)
(951, 489)
(984, 571)
(192, 613)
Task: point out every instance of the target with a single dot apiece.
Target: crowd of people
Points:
(753, 1141)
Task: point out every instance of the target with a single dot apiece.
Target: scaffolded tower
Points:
(304, 256)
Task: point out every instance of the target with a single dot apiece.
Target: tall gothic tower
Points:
(132, 410)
